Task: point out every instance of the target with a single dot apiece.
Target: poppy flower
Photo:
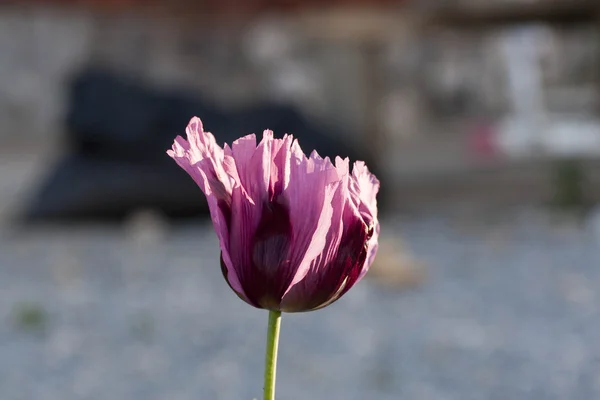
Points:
(295, 232)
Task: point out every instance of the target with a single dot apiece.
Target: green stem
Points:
(271, 354)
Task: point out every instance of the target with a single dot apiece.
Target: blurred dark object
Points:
(569, 185)
(30, 317)
(117, 133)
(212, 7)
(488, 14)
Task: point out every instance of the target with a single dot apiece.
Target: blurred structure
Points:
(442, 94)
(542, 105)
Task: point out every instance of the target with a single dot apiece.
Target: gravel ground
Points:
(509, 310)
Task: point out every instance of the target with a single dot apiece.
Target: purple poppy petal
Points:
(267, 261)
(253, 164)
(280, 168)
(332, 275)
(205, 162)
(313, 183)
(260, 242)
(363, 189)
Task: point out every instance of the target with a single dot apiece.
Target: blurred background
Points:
(480, 117)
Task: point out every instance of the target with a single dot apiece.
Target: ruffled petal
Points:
(313, 183)
(253, 164)
(204, 160)
(281, 227)
(337, 269)
(372, 247)
(280, 168)
(260, 241)
(363, 189)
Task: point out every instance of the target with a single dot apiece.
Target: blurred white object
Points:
(560, 136)
(516, 136)
(530, 129)
(269, 42)
(290, 80)
(521, 52)
(517, 133)
(571, 136)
